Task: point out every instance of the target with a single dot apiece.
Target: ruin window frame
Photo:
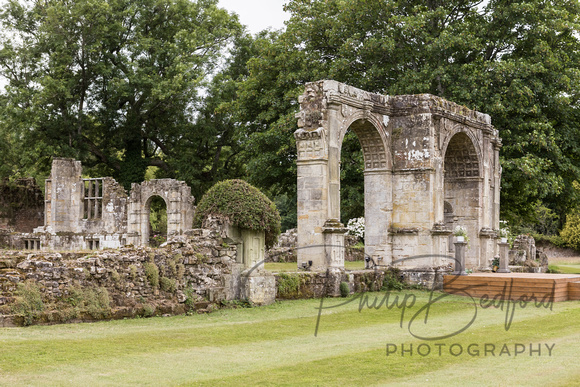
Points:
(92, 198)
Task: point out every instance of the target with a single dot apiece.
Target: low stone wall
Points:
(304, 284)
(192, 272)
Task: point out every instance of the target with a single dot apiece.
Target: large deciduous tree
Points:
(111, 82)
(515, 60)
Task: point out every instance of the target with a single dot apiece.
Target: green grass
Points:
(279, 267)
(275, 345)
(566, 269)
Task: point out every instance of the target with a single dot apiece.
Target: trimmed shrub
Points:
(241, 204)
(344, 289)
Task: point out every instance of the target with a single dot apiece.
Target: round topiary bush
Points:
(243, 206)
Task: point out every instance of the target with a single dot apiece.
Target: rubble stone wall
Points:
(194, 271)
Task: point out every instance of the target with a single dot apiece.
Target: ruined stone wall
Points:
(195, 270)
(21, 205)
(414, 147)
(321, 284)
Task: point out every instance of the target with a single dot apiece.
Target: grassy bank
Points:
(275, 345)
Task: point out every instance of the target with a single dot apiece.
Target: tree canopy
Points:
(113, 83)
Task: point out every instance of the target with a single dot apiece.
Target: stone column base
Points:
(259, 288)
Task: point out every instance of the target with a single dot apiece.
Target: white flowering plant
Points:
(504, 231)
(460, 231)
(356, 227)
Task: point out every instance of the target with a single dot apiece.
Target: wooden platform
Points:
(515, 286)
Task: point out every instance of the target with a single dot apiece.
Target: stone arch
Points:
(462, 187)
(373, 138)
(377, 181)
(405, 140)
(475, 143)
(148, 204)
(177, 197)
(461, 157)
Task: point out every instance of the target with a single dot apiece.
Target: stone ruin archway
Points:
(177, 197)
(404, 141)
(377, 183)
(462, 186)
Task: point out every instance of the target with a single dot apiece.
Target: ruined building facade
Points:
(429, 165)
(97, 213)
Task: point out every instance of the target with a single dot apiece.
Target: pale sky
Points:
(258, 14)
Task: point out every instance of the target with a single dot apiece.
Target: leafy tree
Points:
(110, 82)
(211, 151)
(517, 61)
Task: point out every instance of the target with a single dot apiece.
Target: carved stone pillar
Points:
(334, 232)
(460, 258)
(503, 257)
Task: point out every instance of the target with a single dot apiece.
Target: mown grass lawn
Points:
(566, 269)
(275, 345)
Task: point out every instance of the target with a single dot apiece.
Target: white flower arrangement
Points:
(356, 227)
(504, 231)
(460, 231)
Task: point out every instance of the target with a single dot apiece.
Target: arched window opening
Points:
(352, 195)
(157, 221)
(462, 189)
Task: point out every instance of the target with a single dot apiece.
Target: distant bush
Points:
(392, 280)
(288, 285)
(241, 204)
(571, 231)
(356, 227)
(147, 310)
(95, 302)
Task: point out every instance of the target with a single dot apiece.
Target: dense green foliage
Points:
(288, 285)
(241, 204)
(28, 303)
(152, 274)
(109, 82)
(517, 61)
(157, 221)
(571, 231)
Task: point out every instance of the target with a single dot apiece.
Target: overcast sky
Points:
(258, 14)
